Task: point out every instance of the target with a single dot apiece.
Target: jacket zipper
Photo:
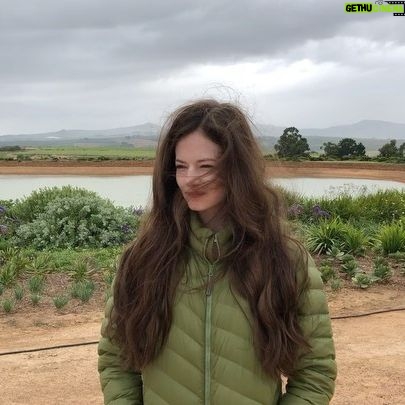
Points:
(208, 312)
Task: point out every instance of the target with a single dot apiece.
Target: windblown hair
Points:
(261, 266)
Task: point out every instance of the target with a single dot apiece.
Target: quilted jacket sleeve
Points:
(314, 381)
(120, 387)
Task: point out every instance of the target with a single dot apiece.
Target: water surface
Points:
(135, 190)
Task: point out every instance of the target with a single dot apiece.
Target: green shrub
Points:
(392, 238)
(36, 284)
(60, 301)
(327, 272)
(383, 206)
(397, 256)
(335, 253)
(83, 290)
(350, 268)
(8, 305)
(9, 274)
(35, 298)
(70, 222)
(29, 208)
(83, 268)
(325, 235)
(18, 292)
(343, 206)
(381, 270)
(362, 280)
(7, 254)
(336, 284)
(39, 264)
(353, 240)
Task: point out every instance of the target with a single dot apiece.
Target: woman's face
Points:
(196, 157)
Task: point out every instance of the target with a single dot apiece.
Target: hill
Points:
(372, 133)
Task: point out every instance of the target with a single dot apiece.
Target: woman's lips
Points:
(194, 194)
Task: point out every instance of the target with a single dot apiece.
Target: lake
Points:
(135, 190)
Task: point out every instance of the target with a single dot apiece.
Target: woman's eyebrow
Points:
(198, 161)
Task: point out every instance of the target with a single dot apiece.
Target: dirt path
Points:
(370, 353)
(364, 170)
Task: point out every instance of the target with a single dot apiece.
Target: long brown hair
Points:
(262, 264)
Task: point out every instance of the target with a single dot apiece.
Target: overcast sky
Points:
(97, 64)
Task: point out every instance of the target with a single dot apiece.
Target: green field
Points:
(72, 152)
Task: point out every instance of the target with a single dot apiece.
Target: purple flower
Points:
(125, 228)
(3, 229)
(138, 211)
(318, 212)
(295, 210)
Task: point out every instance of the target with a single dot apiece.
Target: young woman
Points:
(214, 301)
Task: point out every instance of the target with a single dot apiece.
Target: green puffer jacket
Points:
(209, 357)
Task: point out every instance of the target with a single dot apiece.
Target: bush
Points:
(83, 290)
(36, 284)
(381, 271)
(35, 298)
(336, 284)
(392, 238)
(325, 235)
(60, 301)
(84, 221)
(8, 305)
(362, 280)
(29, 208)
(18, 292)
(353, 240)
(9, 274)
(350, 268)
(327, 272)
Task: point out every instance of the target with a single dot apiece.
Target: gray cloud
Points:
(95, 63)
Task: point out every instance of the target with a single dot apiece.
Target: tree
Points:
(330, 149)
(291, 144)
(349, 148)
(346, 148)
(401, 150)
(389, 149)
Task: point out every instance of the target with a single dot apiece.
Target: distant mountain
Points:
(147, 129)
(362, 129)
(144, 135)
(372, 133)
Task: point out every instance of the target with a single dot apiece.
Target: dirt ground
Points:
(370, 349)
(394, 172)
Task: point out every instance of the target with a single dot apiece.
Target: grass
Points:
(60, 301)
(72, 152)
(8, 305)
(83, 290)
(36, 284)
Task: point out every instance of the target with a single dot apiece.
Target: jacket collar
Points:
(207, 243)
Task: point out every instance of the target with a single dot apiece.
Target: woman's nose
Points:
(192, 177)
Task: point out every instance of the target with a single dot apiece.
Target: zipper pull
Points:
(215, 249)
(208, 290)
